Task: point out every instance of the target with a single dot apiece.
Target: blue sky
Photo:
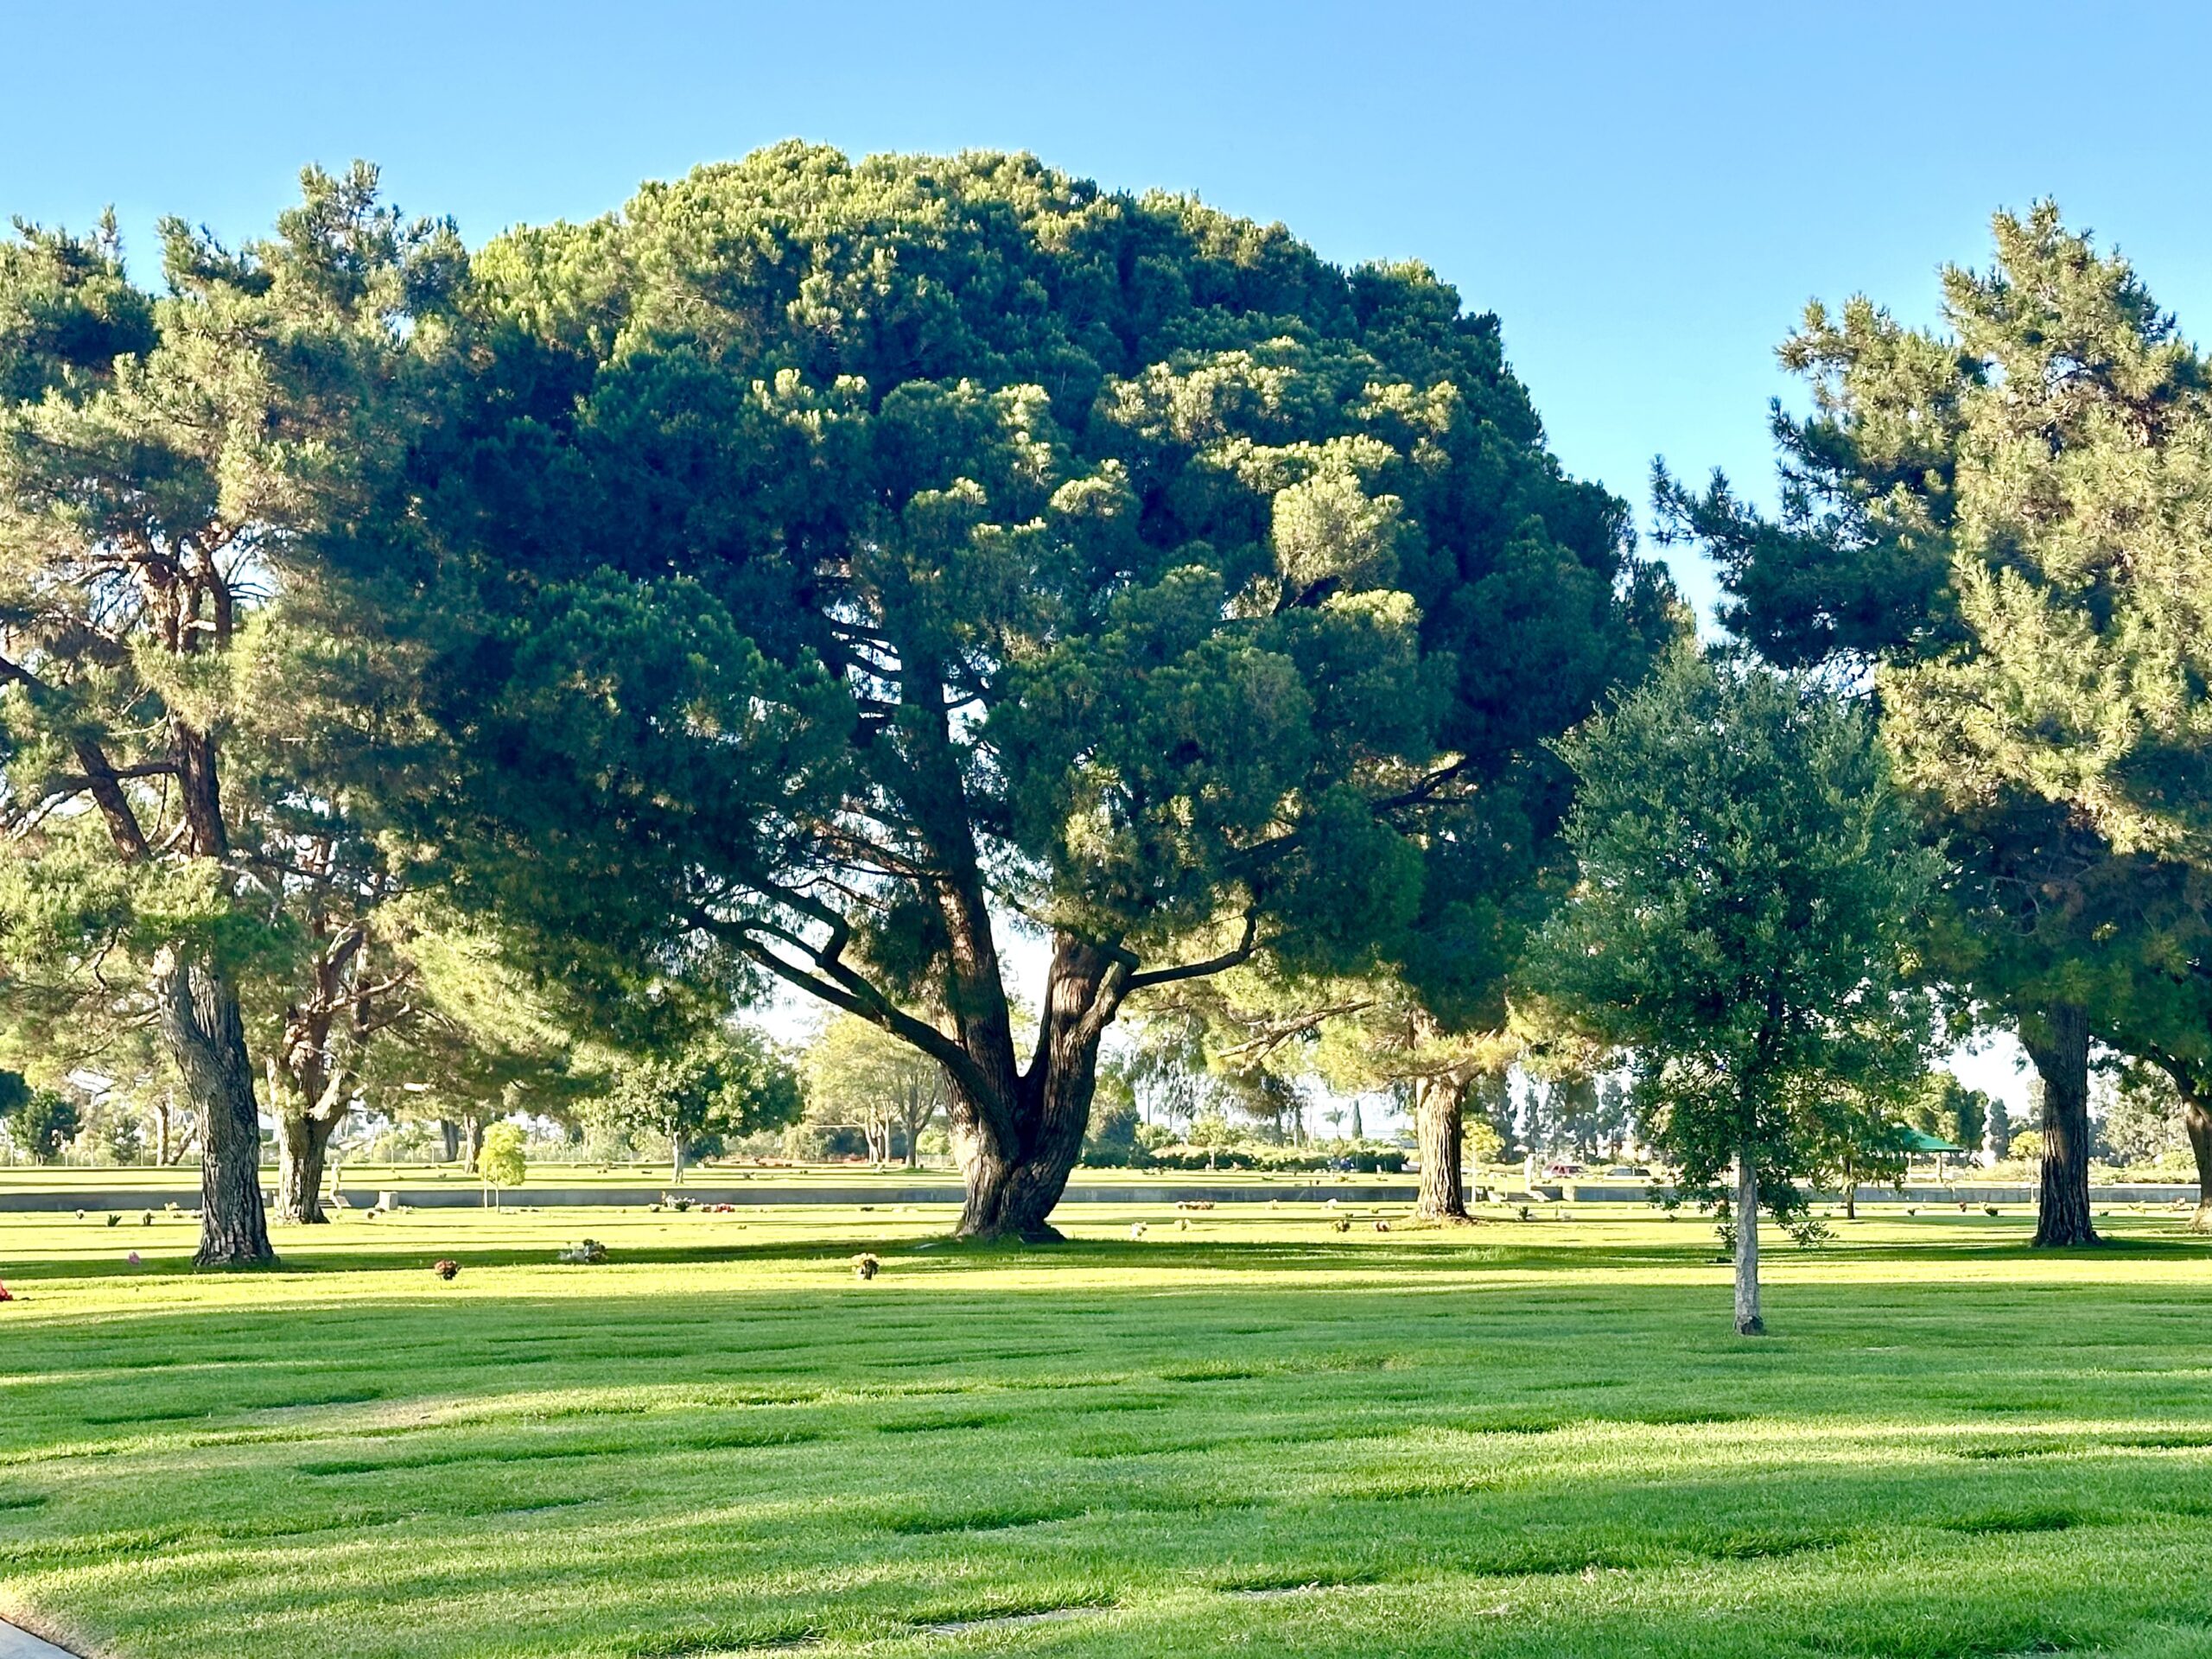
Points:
(1647, 194)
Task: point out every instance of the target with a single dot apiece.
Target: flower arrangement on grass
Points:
(588, 1254)
(446, 1268)
(865, 1266)
(6, 1295)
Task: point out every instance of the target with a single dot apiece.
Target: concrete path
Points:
(22, 1644)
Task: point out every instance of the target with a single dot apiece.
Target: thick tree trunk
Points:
(2198, 1122)
(1017, 1149)
(472, 1138)
(1437, 1127)
(449, 1133)
(303, 1144)
(199, 1022)
(1748, 1322)
(2057, 1040)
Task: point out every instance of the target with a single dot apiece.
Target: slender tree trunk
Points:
(449, 1133)
(1438, 1125)
(162, 1110)
(303, 1144)
(2057, 1040)
(1850, 1187)
(1748, 1322)
(199, 1022)
(472, 1138)
(676, 1155)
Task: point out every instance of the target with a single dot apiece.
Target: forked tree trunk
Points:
(303, 1147)
(1438, 1127)
(1748, 1322)
(199, 1022)
(1014, 1181)
(2057, 1040)
(1017, 1149)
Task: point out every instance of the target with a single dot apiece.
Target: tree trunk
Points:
(1748, 1322)
(2198, 1122)
(472, 1138)
(2057, 1040)
(1850, 1187)
(449, 1133)
(163, 1109)
(1017, 1149)
(676, 1156)
(199, 1022)
(302, 1141)
(1438, 1127)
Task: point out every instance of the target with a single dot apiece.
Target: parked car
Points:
(1629, 1172)
(1557, 1172)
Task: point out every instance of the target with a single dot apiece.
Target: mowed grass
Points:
(1254, 1434)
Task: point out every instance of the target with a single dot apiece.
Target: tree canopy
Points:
(832, 568)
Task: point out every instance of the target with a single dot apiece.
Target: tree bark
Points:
(199, 1022)
(1438, 1125)
(2197, 1121)
(472, 1137)
(2058, 1041)
(676, 1156)
(1748, 1322)
(1017, 1145)
(303, 1144)
(449, 1133)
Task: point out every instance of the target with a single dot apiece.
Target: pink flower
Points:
(133, 1258)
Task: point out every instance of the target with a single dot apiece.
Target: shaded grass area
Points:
(1250, 1432)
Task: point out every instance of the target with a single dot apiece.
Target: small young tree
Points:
(1748, 878)
(500, 1162)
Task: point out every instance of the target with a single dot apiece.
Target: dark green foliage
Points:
(828, 560)
(1111, 1141)
(38, 1121)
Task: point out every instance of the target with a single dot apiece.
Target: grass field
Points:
(1256, 1434)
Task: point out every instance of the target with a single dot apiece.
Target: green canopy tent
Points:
(1918, 1143)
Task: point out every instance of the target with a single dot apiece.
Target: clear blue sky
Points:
(1646, 194)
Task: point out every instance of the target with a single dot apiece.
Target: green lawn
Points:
(1255, 1435)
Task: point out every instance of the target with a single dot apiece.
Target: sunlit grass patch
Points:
(1522, 1439)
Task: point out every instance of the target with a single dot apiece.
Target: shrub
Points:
(1112, 1141)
